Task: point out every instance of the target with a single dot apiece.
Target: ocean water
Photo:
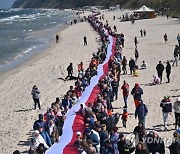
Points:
(24, 32)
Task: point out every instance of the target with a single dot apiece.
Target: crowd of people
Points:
(100, 123)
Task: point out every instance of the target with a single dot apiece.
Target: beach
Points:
(46, 70)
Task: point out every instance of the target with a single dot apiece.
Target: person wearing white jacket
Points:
(176, 108)
(39, 139)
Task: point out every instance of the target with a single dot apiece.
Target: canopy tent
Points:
(145, 12)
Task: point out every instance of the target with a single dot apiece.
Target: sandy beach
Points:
(17, 114)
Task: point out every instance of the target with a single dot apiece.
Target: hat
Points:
(35, 132)
(78, 133)
(178, 99)
(121, 135)
(87, 130)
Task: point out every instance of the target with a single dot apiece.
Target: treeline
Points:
(170, 6)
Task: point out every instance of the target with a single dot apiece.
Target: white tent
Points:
(145, 12)
(144, 9)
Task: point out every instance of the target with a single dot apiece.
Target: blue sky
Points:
(6, 3)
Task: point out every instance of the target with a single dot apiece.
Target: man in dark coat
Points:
(131, 65)
(168, 71)
(70, 71)
(141, 112)
(160, 69)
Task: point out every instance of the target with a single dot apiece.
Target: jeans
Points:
(165, 117)
(142, 120)
(125, 100)
(175, 61)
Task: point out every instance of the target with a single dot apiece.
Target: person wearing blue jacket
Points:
(141, 112)
(137, 92)
(45, 136)
(90, 135)
(67, 102)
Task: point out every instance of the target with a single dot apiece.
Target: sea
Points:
(26, 32)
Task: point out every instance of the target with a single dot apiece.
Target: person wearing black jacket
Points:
(124, 146)
(115, 86)
(70, 71)
(131, 65)
(160, 69)
(168, 71)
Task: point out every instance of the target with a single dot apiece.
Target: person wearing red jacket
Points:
(125, 88)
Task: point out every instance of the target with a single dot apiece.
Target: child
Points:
(124, 117)
(135, 72)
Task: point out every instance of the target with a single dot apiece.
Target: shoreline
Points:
(34, 57)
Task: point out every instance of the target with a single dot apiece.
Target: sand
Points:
(16, 112)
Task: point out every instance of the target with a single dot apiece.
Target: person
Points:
(141, 112)
(176, 52)
(115, 85)
(174, 148)
(70, 71)
(156, 146)
(115, 29)
(141, 31)
(144, 65)
(178, 39)
(168, 71)
(35, 95)
(16, 152)
(80, 67)
(114, 137)
(135, 42)
(136, 54)
(131, 65)
(125, 89)
(57, 38)
(45, 136)
(144, 32)
(135, 71)
(124, 117)
(41, 149)
(141, 149)
(39, 139)
(165, 38)
(90, 135)
(166, 109)
(124, 146)
(108, 147)
(137, 91)
(124, 64)
(39, 123)
(160, 69)
(138, 131)
(85, 40)
(156, 80)
(176, 107)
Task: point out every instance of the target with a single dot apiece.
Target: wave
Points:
(23, 53)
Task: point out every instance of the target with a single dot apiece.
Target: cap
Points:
(78, 133)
